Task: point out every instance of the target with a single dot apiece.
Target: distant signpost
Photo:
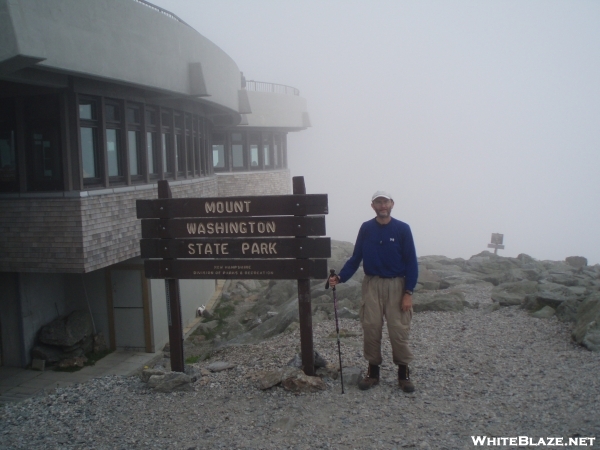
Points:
(260, 237)
(496, 243)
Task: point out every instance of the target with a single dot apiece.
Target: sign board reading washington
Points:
(262, 237)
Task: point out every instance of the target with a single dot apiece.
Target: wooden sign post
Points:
(262, 237)
(496, 243)
(173, 303)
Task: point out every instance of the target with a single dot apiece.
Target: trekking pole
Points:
(337, 326)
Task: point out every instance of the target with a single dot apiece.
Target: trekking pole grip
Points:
(331, 273)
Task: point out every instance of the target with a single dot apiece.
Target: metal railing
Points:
(169, 14)
(262, 86)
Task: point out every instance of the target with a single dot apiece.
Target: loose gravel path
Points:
(478, 372)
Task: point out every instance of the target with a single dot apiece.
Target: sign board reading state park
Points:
(262, 237)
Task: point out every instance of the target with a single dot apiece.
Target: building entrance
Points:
(130, 315)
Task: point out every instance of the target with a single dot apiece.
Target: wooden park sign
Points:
(259, 237)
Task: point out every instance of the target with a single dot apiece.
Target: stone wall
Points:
(276, 182)
(79, 234)
(55, 233)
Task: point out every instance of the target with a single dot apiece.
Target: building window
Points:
(134, 152)
(267, 150)
(204, 135)
(218, 150)
(167, 143)
(114, 147)
(242, 150)
(87, 110)
(237, 151)
(189, 147)
(279, 150)
(8, 148)
(152, 149)
(180, 153)
(89, 152)
(42, 139)
(134, 146)
(88, 133)
(166, 154)
(254, 153)
(114, 153)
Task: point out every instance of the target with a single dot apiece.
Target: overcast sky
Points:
(479, 117)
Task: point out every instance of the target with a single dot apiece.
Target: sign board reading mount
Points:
(267, 205)
(235, 237)
(259, 237)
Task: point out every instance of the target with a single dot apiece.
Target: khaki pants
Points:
(382, 297)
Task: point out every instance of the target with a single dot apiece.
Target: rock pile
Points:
(67, 339)
(569, 289)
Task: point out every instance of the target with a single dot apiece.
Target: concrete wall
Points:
(90, 289)
(48, 296)
(45, 234)
(117, 40)
(276, 182)
(43, 299)
(11, 342)
(160, 322)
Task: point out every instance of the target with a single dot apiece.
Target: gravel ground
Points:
(477, 372)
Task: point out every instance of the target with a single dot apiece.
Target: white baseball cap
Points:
(383, 194)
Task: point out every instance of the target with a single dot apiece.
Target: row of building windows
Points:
(39, 136)
(120, 143)
(248, 150)
(135, 142)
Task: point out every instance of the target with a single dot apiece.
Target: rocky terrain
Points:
(504, 347)
(568, 290)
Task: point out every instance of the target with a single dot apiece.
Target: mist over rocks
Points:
(568, 290)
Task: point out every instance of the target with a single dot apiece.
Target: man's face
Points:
(382, 207)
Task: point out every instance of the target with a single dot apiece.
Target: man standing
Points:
(386, 247)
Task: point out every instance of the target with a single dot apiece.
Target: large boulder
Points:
(299, 382)
(48, 353)
(448, 300)
(68, 331)
(452, 279)
(551, 294)
(171, 382)
(287, 314)
(545, 313)
(567, 310)
(515, 293)
(587, 327)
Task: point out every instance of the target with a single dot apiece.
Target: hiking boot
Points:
(404, 379)
(372, 378)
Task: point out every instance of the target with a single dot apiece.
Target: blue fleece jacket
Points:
(386, 251)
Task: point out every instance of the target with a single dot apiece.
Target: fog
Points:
(479, 117)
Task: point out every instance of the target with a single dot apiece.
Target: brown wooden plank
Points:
(173, 304)
(304, 305)
(235, 227)
(250, 269)
(247, 248)
(266, 205)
